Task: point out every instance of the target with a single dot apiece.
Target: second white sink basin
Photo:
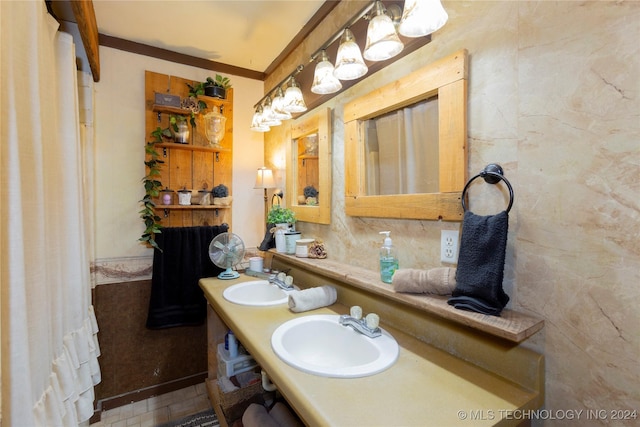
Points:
(319, 345)
(256, 293)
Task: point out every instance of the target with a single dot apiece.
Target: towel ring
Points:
(492, 174)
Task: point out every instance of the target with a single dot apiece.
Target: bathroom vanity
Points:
(454, 367)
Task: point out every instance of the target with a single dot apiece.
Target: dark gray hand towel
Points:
(480, 268)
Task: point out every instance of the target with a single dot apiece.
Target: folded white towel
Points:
(312, 298)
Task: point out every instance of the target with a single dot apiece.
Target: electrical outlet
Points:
(449, 242)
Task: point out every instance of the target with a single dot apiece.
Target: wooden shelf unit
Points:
(194, 166)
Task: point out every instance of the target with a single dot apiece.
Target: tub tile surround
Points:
(426, 385)
(553, 98)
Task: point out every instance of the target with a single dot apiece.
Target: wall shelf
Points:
(177, 146)
(511, 325)
(191, 207)
(196, 164)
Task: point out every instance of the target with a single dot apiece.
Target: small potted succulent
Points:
(217, 87)
(221, 195)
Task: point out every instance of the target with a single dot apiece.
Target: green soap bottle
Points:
(388, 259)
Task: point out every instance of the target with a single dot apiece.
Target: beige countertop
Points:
(426, 386)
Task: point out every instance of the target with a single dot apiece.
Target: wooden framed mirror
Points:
(309, 168)
(440, 87)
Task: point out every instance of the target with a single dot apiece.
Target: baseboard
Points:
(145, 393)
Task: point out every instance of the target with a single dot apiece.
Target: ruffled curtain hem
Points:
(68, 398)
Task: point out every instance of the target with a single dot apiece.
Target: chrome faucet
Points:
(367, 326)
(282, 281)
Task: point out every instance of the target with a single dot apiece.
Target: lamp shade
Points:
(264, 179)
(422, 17)
(256, 122)
(268, 117)
(277, 106)
(382, 39)
(293, 100)
(349, 62)
(324, 81)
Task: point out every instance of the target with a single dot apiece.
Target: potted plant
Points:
(217, 87)
(221, 195)
(280, 215)
(180, 129)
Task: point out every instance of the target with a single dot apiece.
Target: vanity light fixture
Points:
(293, 100)
(382, 39)
(349, 62)
(277, 106)
(419, 18)
(324, 81)
(422, 17)
(268, 117)
(257, 123)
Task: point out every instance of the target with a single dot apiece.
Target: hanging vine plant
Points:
(152, 188)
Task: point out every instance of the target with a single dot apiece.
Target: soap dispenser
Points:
(388, 259)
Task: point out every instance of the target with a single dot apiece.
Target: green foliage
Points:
(219, 81)
(194, 91)
(280, 215)
(174, 120)
(152, 188)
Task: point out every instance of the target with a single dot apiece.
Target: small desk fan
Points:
(226, 250)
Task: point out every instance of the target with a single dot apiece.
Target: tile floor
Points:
(158, 409)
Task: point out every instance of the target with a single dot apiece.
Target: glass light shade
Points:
(257, 123)
(324, 81)
(293, 100)
(277, 106)
(422, 17)
(268, 118)
(382, 39)
(264, 178)
(214, 127)
(349, 62)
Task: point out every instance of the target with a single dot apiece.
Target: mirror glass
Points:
(405, 145)
(309, 168)
(306, 186)
(401, 150)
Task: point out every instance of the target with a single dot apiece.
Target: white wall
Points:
(120, 139)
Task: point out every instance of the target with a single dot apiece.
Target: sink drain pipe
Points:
(266, 382)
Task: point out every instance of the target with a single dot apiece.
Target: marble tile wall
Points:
(553, 98)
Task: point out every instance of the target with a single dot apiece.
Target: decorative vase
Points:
(182, 135)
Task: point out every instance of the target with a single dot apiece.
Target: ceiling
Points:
(249, 34)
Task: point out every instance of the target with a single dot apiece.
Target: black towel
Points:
(481, 264)
(176, 298)
(269, 240)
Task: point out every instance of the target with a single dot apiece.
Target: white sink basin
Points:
(319, 345)
(256, 293)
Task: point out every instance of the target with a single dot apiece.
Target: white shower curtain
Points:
(49, 346)
(402, 151)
